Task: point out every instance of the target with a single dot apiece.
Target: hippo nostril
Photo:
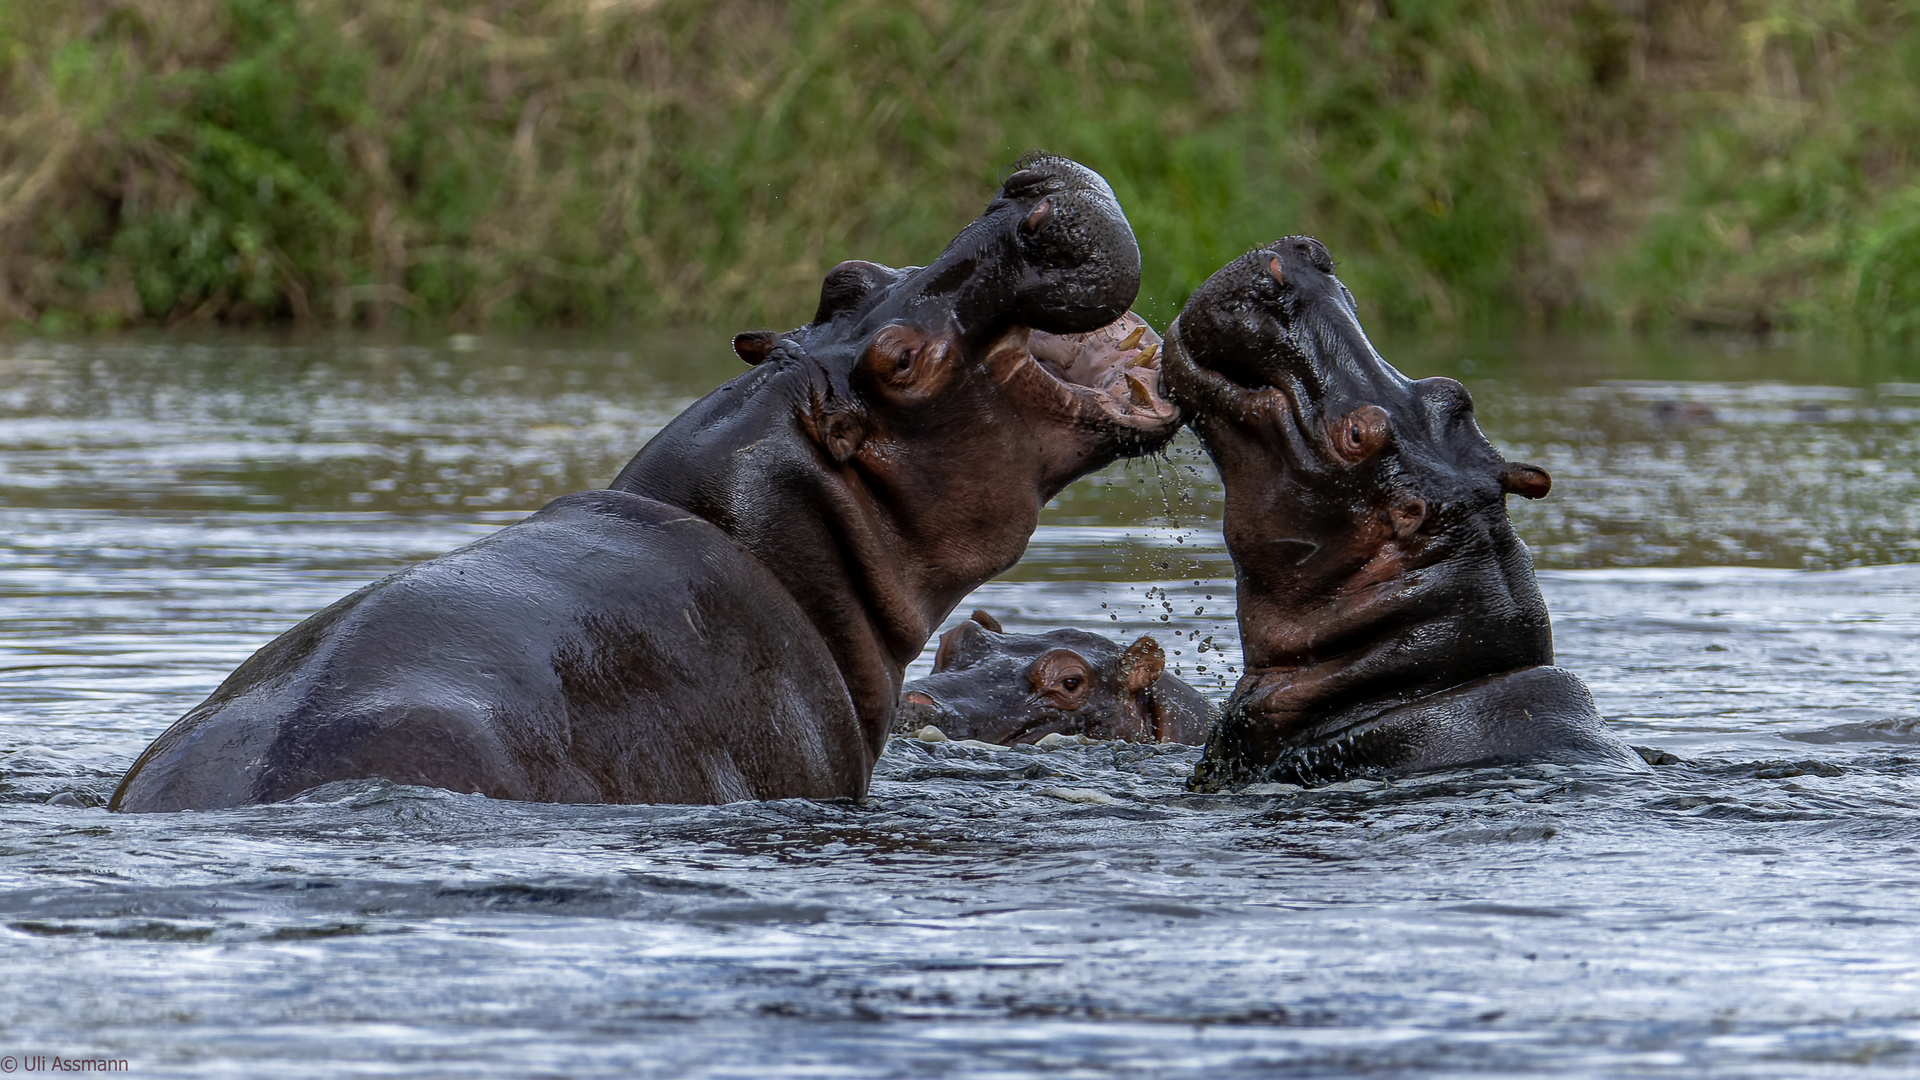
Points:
(1024, 181)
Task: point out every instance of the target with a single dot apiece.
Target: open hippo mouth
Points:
(1110, 376)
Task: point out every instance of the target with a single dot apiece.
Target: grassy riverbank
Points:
(1475, 165)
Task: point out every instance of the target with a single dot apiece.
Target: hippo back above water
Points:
(731, 618)
(1006, 688)
(1388, 611)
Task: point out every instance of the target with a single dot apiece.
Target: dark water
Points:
(1727, 563)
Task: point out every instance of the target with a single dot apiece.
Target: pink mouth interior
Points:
(1121, 360)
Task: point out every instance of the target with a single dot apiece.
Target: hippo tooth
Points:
(1134, 338)
(1149, 357)
(1138, 390)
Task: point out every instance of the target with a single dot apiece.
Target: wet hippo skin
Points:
(1389, 616)
(1006, 688)
(732, 617)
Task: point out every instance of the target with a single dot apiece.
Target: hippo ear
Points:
(987, 621)
(1527, 481)
(1142, 664)
(754, 345)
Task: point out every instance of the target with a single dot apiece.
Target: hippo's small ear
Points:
(1142, 664)
(1527, 481)
(986, 620)
(754, 345)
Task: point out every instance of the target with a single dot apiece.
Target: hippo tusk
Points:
(1138, 391)
(1149, 357)
(1133, 339)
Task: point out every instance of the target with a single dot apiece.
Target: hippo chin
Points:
(732, 617)
(1388, 612)
(1006, 688)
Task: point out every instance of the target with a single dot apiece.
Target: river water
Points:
(1730, 561)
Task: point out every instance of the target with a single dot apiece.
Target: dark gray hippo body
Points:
(1006, 688)
(1389, 616)
(732, 618)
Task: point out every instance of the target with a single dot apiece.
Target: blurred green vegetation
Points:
(1476, 165)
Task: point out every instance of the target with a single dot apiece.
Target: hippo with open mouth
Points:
(1006, 688)
(732, 617)
(1389, 616)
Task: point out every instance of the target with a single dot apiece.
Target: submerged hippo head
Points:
(894, 453)
(1365, 511)
(1006, 688)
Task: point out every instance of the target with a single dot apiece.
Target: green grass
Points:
(1475, 165)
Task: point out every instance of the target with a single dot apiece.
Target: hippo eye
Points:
(1359, 434)
(894, 353)
(1071, 682)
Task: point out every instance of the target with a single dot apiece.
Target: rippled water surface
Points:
(1729, 564)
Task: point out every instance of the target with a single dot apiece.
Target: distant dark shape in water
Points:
(732, 618)
(1669, 411)
(1006, 688)
(1388, 612)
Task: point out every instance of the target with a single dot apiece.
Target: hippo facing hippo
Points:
(1006, 688)
(732, 617)
(1389, 616)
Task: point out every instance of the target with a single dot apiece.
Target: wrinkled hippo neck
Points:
(1318, 660)
(738, 459)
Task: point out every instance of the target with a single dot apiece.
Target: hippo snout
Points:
(919, 709)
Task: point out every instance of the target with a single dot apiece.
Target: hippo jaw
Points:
(1365, 511)
(1105, 382)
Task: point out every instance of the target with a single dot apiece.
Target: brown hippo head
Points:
(1005, 688)
(894, 453)
(1365, 511)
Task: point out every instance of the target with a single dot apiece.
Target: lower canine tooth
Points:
(1134, 338)
(1149, 357)
(1138, 391)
